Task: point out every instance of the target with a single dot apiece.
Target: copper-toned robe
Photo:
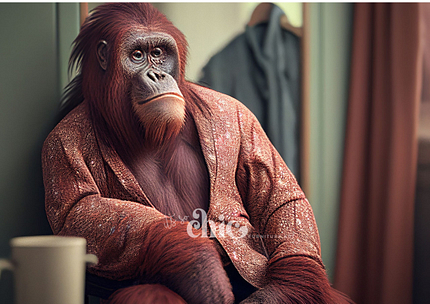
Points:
(92, 194)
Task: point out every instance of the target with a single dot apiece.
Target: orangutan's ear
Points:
(102, 54)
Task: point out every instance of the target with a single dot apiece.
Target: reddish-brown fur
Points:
(189, 267)
(145, 294)
(173, 175)
(297, 280)
(162, 118)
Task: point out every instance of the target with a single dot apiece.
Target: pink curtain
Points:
(375, 241)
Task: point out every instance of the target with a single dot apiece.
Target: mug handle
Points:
(5, 265)
(91, 258)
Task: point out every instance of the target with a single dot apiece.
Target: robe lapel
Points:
(123, 174)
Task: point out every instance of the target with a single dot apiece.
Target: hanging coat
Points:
(261, 68)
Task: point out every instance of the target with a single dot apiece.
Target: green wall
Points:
(33, 58)
(331, 26)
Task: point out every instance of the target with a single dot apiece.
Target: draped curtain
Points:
(375, 240)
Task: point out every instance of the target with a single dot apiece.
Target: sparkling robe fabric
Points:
(257, 211)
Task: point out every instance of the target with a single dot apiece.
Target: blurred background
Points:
(361, 121)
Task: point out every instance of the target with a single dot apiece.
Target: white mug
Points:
(48, 269)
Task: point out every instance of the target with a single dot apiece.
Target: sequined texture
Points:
(257, 210)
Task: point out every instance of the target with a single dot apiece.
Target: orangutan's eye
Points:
(137, 56)
(157, 52)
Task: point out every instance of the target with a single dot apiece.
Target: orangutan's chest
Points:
(177, 182)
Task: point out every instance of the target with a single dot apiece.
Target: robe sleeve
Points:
(113, 228)
(277, 207)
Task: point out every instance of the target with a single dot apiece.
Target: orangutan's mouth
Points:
(162, 96)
